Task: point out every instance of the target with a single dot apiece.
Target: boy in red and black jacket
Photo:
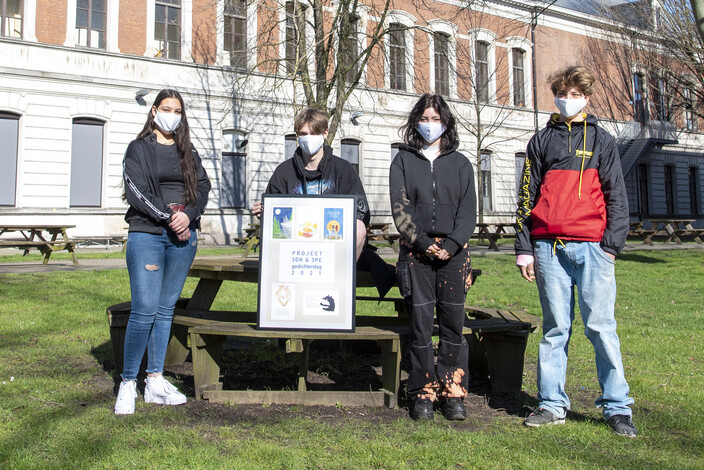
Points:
(572, 221)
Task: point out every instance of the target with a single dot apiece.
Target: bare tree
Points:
(311, 53)
(482, 82)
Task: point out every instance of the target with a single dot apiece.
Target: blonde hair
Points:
(317, 119)
(575, 76)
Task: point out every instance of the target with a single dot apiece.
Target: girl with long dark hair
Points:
(167, 189)
(433, 202)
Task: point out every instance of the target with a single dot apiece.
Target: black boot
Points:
(422, 409)
(453, 409)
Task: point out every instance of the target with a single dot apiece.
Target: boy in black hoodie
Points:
(315, 170)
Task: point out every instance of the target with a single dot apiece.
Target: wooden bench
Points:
(497, 340)
(45, 247)
(493, 232)
(672, 230)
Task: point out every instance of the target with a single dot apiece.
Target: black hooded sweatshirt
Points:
(333, 176)
(431, 200)
(148, 212)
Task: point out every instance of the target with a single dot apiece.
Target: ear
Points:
(586, 98)
(153, 111)
(325, 134)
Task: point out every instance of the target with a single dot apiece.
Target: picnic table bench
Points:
(44, 238)
(379, 232)
(496, 231)
(497, 340)
(671, 229)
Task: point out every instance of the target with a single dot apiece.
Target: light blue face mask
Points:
(310, 144)
(167, 122)
(570, 107)
(431, 131)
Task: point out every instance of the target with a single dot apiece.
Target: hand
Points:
(257, 209)
(432, 250)
(184, 236)
(613, 257)
(179, 222)
(443, 254)
(528, 272)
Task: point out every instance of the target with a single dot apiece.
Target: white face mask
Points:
(570, 107)
(167, 122)
(431, 131)
(310, 144)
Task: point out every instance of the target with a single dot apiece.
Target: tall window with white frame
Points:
(694, 190)
(486, 179)
(690, 120)
(481, 80)
(519, 91)
(9, 136)
(349, 150)
(660, 98)
(350, 47)
(167, 28)
(640, 110)
(397, 56)
(236, 33)
(295, 26)
(233, 185)
(11, 13)
(442, 63)
(90, 23)
(86, 162)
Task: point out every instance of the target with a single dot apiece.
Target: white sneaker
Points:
(160, 391)
(126, 397)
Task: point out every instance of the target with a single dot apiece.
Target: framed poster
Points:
(307, 262)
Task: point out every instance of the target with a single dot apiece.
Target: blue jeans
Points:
(558, 269)
(158, 266)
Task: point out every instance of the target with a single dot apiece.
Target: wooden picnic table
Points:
(45, 238)
(495, 231)
(497, 340)
(379, 231)
(671, 229)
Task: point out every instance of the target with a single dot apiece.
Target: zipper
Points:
(569, 137)
(432, 177)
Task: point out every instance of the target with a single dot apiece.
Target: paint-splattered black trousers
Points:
(427, 283)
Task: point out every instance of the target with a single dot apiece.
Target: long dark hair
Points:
(410, 133)
(182, 137)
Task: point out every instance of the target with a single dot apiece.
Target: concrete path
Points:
(90, 264)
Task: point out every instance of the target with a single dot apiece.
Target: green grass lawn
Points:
(56, 388)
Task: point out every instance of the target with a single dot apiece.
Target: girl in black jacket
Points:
(433, 203)
(166, 188)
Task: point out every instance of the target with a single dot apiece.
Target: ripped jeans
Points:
(426, 283)
(158, 266)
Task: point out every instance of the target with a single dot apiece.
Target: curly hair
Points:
(574, 76)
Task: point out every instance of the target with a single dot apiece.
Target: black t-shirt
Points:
(170, 174)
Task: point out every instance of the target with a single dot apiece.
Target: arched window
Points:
(482, 71)
(519, 91)
(167, 28)
(291, 146)
(233, 184)
(86, 162)
(9, 136)
(349, 150)
(235, 37)
(442, 64)
(397, 56)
